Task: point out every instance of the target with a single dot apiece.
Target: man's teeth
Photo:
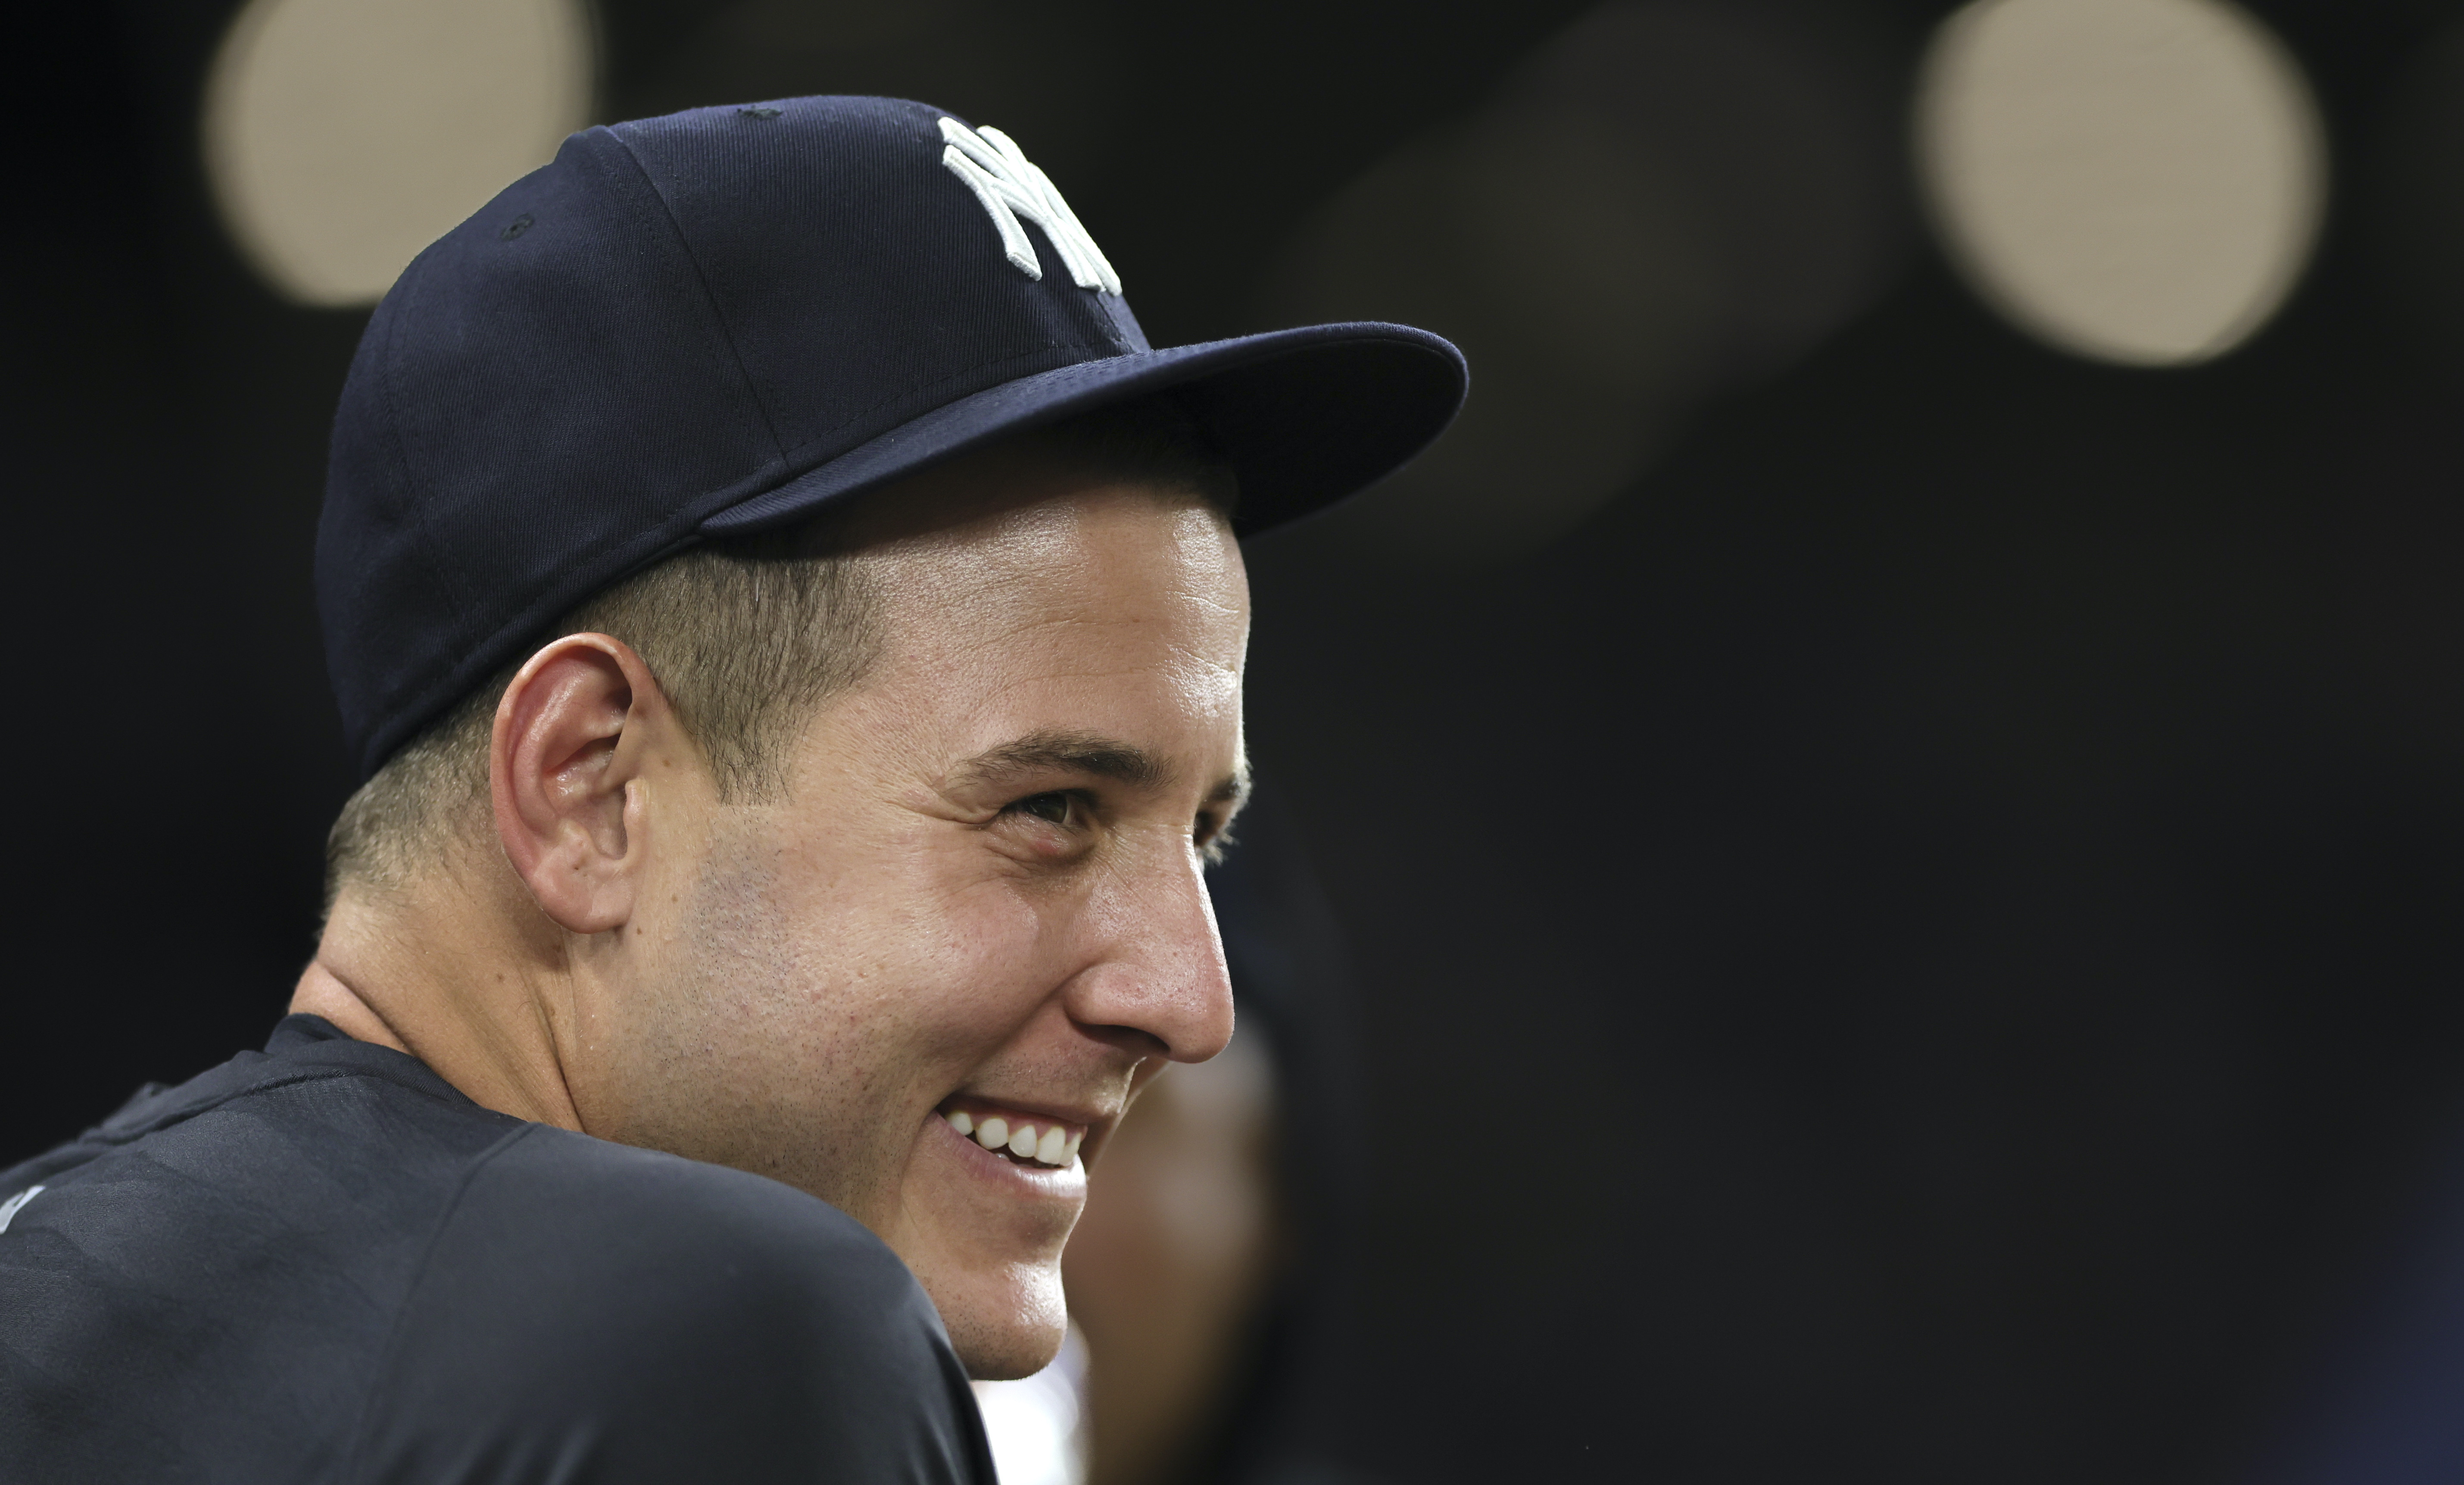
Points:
(1051, 1145)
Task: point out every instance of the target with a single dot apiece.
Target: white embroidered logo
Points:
(9, 1208)
(1010, 186)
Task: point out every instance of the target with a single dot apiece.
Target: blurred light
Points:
(1664, 199)
(344, 136)
(2136, 181)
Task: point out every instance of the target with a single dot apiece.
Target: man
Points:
(792, 627)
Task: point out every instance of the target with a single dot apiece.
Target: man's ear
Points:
(575, 733)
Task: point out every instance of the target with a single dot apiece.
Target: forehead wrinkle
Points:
(1230, 668)
(980, 639)
(1178, 673)
(1182, 656)
(1227, 610)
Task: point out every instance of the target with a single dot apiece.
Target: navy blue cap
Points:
(716, 322)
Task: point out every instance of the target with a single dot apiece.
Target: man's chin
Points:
(1003, 1324)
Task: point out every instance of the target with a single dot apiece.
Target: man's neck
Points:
(320, 991)
(414, 974)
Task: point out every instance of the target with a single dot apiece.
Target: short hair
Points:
(748, 636)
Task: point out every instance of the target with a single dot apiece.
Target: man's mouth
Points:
(1022, 1139)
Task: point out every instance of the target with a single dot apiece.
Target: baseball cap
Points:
(721, 321)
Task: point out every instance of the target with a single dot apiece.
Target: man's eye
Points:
(1059, 808)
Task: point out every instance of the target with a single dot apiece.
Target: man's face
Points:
(980, 895)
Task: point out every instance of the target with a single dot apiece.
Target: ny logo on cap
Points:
(1010, 186)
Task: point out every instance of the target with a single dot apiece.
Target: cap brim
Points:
(1305, 416)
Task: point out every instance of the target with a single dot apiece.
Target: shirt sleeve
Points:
(591, 1313)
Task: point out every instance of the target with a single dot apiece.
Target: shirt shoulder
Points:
(593, 1312)
(201, 1285)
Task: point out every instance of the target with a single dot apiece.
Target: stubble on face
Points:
(822, 976)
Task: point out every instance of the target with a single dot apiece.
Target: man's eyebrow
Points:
(1075, 752)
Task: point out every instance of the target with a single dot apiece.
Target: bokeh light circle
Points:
(2134, 180)
(343, 136)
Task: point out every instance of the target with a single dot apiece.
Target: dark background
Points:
(1919, 944)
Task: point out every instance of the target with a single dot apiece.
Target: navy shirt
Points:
(321, 1263)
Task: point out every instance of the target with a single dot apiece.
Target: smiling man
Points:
(791, 626)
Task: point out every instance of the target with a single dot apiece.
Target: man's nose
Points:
(1161, 974)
